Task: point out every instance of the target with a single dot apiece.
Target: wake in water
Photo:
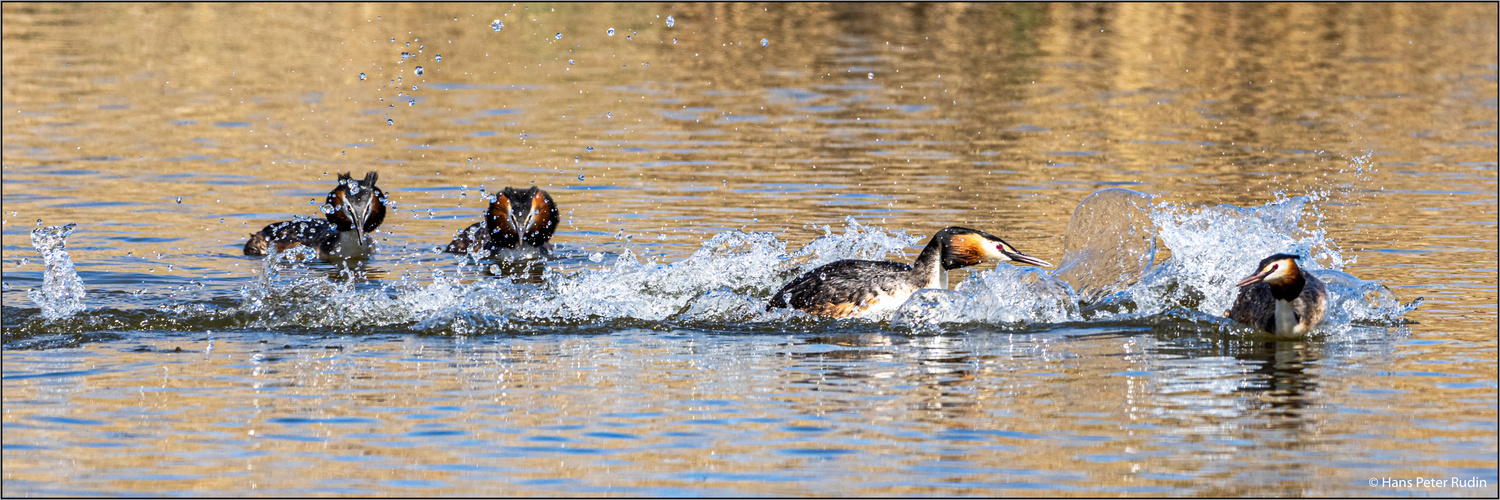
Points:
(1126, 263)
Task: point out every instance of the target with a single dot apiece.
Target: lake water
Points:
(702, 155)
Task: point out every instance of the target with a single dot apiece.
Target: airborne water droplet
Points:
(326, 208)
(671, 22)
(179, 200)
(497, 25)
(764, 42)
(438, 58)
(870, 76)
(559, 36)
(570, 62)
(611, 32)
(580, 177)
(361, 77)
(388, 121)
(589, 149)
(419, 72)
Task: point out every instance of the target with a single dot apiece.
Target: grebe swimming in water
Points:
(1280, 299)
(355, 208)
(853, 288)
(518, 224)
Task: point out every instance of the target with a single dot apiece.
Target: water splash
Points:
(729, 278)
(62, 291)
(1110, 243)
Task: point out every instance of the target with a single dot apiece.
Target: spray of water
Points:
(62, 291)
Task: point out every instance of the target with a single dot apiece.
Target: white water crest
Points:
(1213, 248)
(62, 291)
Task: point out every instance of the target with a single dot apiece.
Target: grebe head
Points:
(963, 247)
(521, 215)
(1276, 270)
(357, 205)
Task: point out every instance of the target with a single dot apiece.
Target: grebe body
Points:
(518, 225)
(354, 209)
(1280, 298)
(857, 288)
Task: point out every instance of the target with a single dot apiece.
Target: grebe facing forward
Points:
(1280, 299)
(519, 223)
(355, 208)
(853, 288)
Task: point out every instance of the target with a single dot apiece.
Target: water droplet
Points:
(580, 177)
(611, 32)
(570, 62)
(414, 87)
(575, 159)
(671, 22)
(596, 257)
(393, 40)
(870, 76)
(674, 41)
(179, 200)
(497, 25)
(559, 36)
(609, 115)
(438, 58)
(419, 71)
(764, 42)
(406, 55)
(326, 208)
(589, 149)
(412, 102)
(361, 77)
(388, 121)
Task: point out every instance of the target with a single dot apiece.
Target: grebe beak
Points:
(1024, 259)
(358, 216)
(1258, 276)
(523, 226)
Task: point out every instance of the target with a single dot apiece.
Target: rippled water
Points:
(702, 155)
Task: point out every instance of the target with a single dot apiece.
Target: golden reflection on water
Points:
(462, 414)
(914, 117)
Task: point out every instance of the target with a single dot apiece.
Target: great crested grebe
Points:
(355, 208)
(1280, 298)
(854, 288)
(518, 224)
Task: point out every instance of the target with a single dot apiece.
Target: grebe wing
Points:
(471, 237)
(286, 234)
